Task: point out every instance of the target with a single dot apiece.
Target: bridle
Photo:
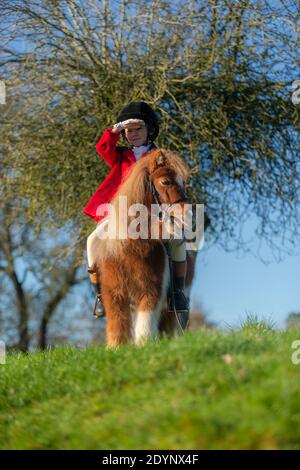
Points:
(154, 192)
(156, 197)
(162, 212)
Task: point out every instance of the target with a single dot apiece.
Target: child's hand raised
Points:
(120, 126)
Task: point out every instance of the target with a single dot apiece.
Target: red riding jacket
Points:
(119, 159)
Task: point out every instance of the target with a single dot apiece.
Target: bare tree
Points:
(218, 73)
(37, 278)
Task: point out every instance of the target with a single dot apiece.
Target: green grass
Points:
(206, 390)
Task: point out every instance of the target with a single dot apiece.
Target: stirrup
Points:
(98, 313)
(183, 316)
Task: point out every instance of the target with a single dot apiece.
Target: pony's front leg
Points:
(118, 323)
(149, 308)
(147, 318)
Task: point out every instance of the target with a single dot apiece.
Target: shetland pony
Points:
(134, 273)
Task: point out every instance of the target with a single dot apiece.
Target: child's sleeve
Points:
(106, 147)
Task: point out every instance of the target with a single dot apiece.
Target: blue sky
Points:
(228, 287)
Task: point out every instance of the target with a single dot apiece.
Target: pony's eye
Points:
(165, 182)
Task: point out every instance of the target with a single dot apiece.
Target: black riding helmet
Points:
(141, 110)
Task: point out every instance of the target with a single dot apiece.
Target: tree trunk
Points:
(69, 281)
(23, 314)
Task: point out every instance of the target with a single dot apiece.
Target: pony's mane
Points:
(135, 187)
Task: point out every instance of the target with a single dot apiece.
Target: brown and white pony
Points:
(134, 273)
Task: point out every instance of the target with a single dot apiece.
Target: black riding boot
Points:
(180, 300)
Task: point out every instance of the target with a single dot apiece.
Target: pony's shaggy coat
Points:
(134, 273)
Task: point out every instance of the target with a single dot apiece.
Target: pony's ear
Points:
(158, 160)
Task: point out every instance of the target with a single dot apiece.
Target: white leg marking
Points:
(146, 322)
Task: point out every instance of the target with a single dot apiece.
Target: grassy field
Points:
(206, 390)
